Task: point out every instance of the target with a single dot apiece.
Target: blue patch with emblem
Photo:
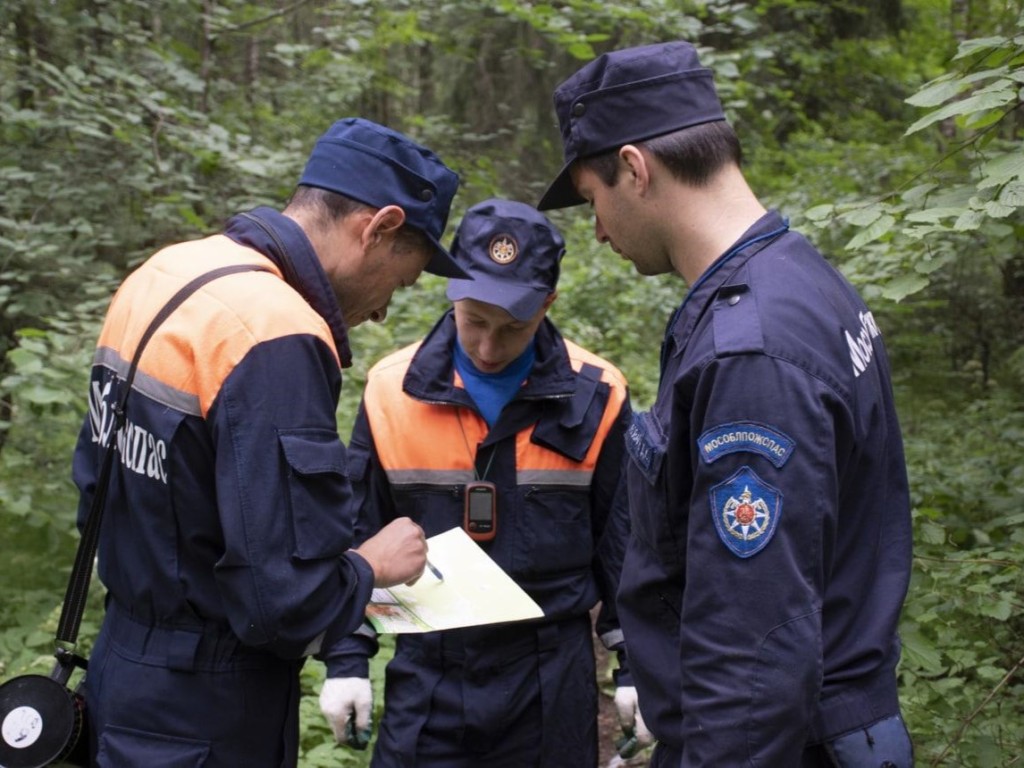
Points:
(746, 512)
(746, 436)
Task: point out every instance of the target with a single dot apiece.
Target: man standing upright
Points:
(770, 548)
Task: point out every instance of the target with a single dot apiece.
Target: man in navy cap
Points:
(496, 424)
(770, 549)
(226, 545)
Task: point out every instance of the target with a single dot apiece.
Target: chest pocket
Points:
(571, 429)
(319, 490)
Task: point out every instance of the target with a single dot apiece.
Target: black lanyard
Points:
(81, 573)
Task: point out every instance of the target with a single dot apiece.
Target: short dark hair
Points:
(693, 155)
(325, 205)
(328, 207)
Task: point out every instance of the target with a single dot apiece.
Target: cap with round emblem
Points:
(512, 253)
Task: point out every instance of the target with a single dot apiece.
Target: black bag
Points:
(42, 720)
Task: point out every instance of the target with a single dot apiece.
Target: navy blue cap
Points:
(378, 166)
(628, 96)
(511, 252)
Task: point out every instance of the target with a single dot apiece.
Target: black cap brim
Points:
(562, 192)
(443, 264)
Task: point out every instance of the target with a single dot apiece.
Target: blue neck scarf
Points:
(492, 391)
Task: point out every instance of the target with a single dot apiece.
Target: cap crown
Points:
(627, 96)
(512, 253)
(379, 166)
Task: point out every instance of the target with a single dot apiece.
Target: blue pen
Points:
(434, 571)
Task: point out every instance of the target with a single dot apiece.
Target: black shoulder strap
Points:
(81, 573)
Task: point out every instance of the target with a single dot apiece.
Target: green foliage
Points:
(963, 632)
(47, 387)
(28, 623)
(966, 199)
(38, 501)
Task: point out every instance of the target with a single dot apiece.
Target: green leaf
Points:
(933, 215)
(981, 120)
(968, 47)
(919, 651)
(969, 221)
(997, 210)
(1002, 169)
(862, 217)
(996, 609)
(937, 92)
(1012, 194)
(933, 262)
(918, 193)
(819, 212)
(988, 672)
(932, 534)
(581, 50)
(878, 229)
(904, 285)
(26, 363)
(977, 103)
(255, 167)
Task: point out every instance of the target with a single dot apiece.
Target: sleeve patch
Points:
(746, 436)
(746, 511)
(645, 444)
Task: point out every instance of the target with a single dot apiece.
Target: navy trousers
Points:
(163, 697)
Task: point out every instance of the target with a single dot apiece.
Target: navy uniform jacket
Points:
(555, 455)
(770, 548)
(224, 541)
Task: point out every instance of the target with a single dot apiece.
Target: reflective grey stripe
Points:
(183, 402)
(314, 644)
(461, 476)
(613, 638)
(553, 477)
(366, 630)
(429, 476)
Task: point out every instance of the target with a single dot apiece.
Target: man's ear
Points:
(385, 222)
(637, 170)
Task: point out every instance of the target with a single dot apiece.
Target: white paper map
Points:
(474, 591)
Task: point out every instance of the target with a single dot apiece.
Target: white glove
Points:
(347, 704)
(636, 734)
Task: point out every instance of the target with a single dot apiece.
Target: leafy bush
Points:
(963, 624)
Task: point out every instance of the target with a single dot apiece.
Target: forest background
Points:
(888, 130)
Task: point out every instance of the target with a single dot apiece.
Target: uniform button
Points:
(578, 109)
(426, 195)
(734, 300)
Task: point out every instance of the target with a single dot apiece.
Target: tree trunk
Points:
(25, 54)
(205, 54)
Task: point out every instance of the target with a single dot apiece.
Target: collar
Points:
(283, 241)
(431, 373)
(764, 231)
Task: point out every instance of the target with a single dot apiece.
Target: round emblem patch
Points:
(503, 249)
(746, 512)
